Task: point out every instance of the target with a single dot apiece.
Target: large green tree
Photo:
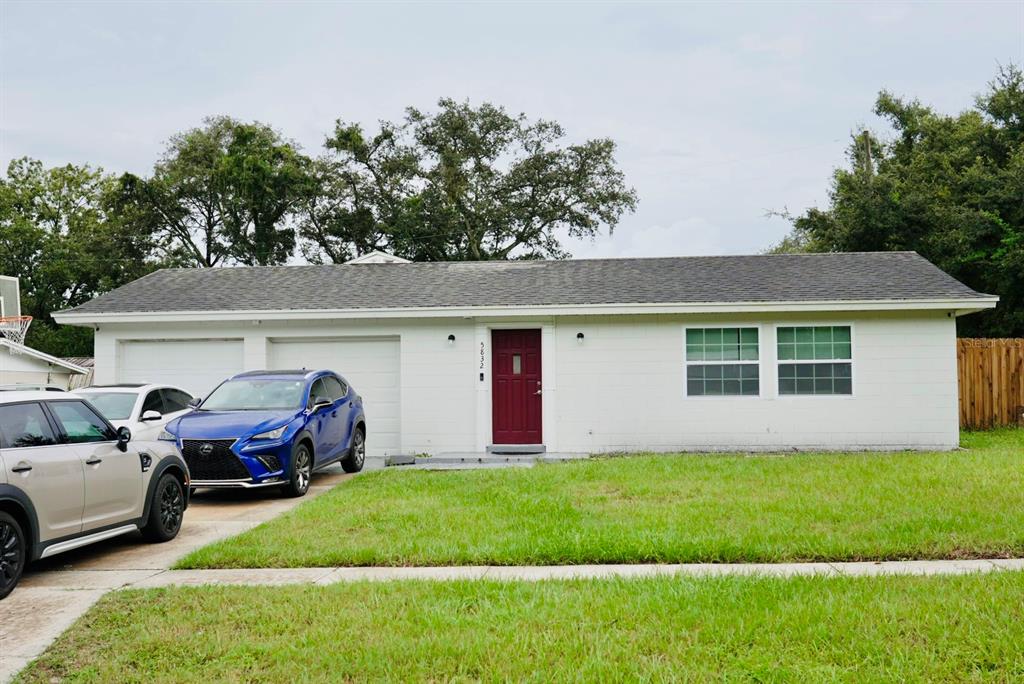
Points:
(950, 187)
(461, 183)
(220, 194)
(62, 236)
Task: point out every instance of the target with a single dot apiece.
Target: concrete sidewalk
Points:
(93, 580)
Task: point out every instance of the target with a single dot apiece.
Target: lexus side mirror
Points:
(124, 435)
(196, 401)
(148, 416)
(321, 402)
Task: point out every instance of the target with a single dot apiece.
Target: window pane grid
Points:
(723, 379)
(721, 344)
(814, 343)
(815, 378)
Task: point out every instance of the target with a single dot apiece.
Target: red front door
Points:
(515, 388)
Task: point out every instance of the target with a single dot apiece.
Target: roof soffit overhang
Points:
(956, 306)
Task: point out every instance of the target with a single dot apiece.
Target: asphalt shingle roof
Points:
(676, 280)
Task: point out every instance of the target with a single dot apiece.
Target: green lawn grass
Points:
(676, 508)
(808, 629)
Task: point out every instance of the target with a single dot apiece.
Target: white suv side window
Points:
(175, 400)
(80, 423)
(24, 425)
(153, 402)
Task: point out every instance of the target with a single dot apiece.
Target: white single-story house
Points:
(815, 351)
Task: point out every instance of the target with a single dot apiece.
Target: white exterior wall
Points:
(623, 388)
(60, 378)
(22, 368)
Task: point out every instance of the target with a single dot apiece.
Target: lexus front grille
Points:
(212, 459)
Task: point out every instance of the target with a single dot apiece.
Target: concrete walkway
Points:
(57, 591)
(93, 580)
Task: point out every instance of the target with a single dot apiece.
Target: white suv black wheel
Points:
(13, 553)
(166, 510)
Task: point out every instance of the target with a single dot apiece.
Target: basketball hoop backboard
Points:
(13, 325)
(10, 297)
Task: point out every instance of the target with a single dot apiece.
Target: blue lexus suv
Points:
(272, 428)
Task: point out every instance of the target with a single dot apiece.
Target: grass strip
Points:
(808, 629)
(660, 508)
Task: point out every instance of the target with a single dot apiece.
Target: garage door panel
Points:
(383, 419)
(385, 382)
(370, 364)
(195, 365)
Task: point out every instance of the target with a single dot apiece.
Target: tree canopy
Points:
(62, 236)
(462, 183)
(221, 194)
(950, 187)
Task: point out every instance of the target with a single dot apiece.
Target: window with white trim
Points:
(815, 360)
(722, 362)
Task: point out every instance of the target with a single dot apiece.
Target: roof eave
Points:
(959, 306)
(43, 356)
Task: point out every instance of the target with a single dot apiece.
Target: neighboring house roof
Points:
(378, 257)
(15, 348)
(783, 278)
(81, 361)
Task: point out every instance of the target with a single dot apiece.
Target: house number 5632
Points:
(481, 356)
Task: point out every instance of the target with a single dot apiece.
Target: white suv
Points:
(143, 409)
(68, 478)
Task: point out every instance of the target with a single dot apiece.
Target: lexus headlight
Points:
(271, 434)
(166, 436)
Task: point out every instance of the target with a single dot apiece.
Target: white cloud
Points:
(692, 236)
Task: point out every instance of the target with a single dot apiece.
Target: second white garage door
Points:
(370, 364)
(195, 365)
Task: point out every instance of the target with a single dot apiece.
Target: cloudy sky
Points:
(721, 111)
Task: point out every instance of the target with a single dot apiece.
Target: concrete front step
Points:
(457, 460)
(479, 459)
(476, 458)
(516, 449)
(432, 464)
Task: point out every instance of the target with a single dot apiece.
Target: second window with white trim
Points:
(722, 362)
(815, 360)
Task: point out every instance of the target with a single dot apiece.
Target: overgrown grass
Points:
(953, 628)
(677, 508)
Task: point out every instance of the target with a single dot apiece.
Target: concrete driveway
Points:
(57, 590)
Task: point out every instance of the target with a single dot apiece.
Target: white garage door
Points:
(195, 365)
(370, 364)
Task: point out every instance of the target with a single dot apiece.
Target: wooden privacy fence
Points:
(991, 377)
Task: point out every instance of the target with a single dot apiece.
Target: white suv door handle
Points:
(21, 468)
(94, 461)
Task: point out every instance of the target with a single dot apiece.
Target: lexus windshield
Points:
(253, 394)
